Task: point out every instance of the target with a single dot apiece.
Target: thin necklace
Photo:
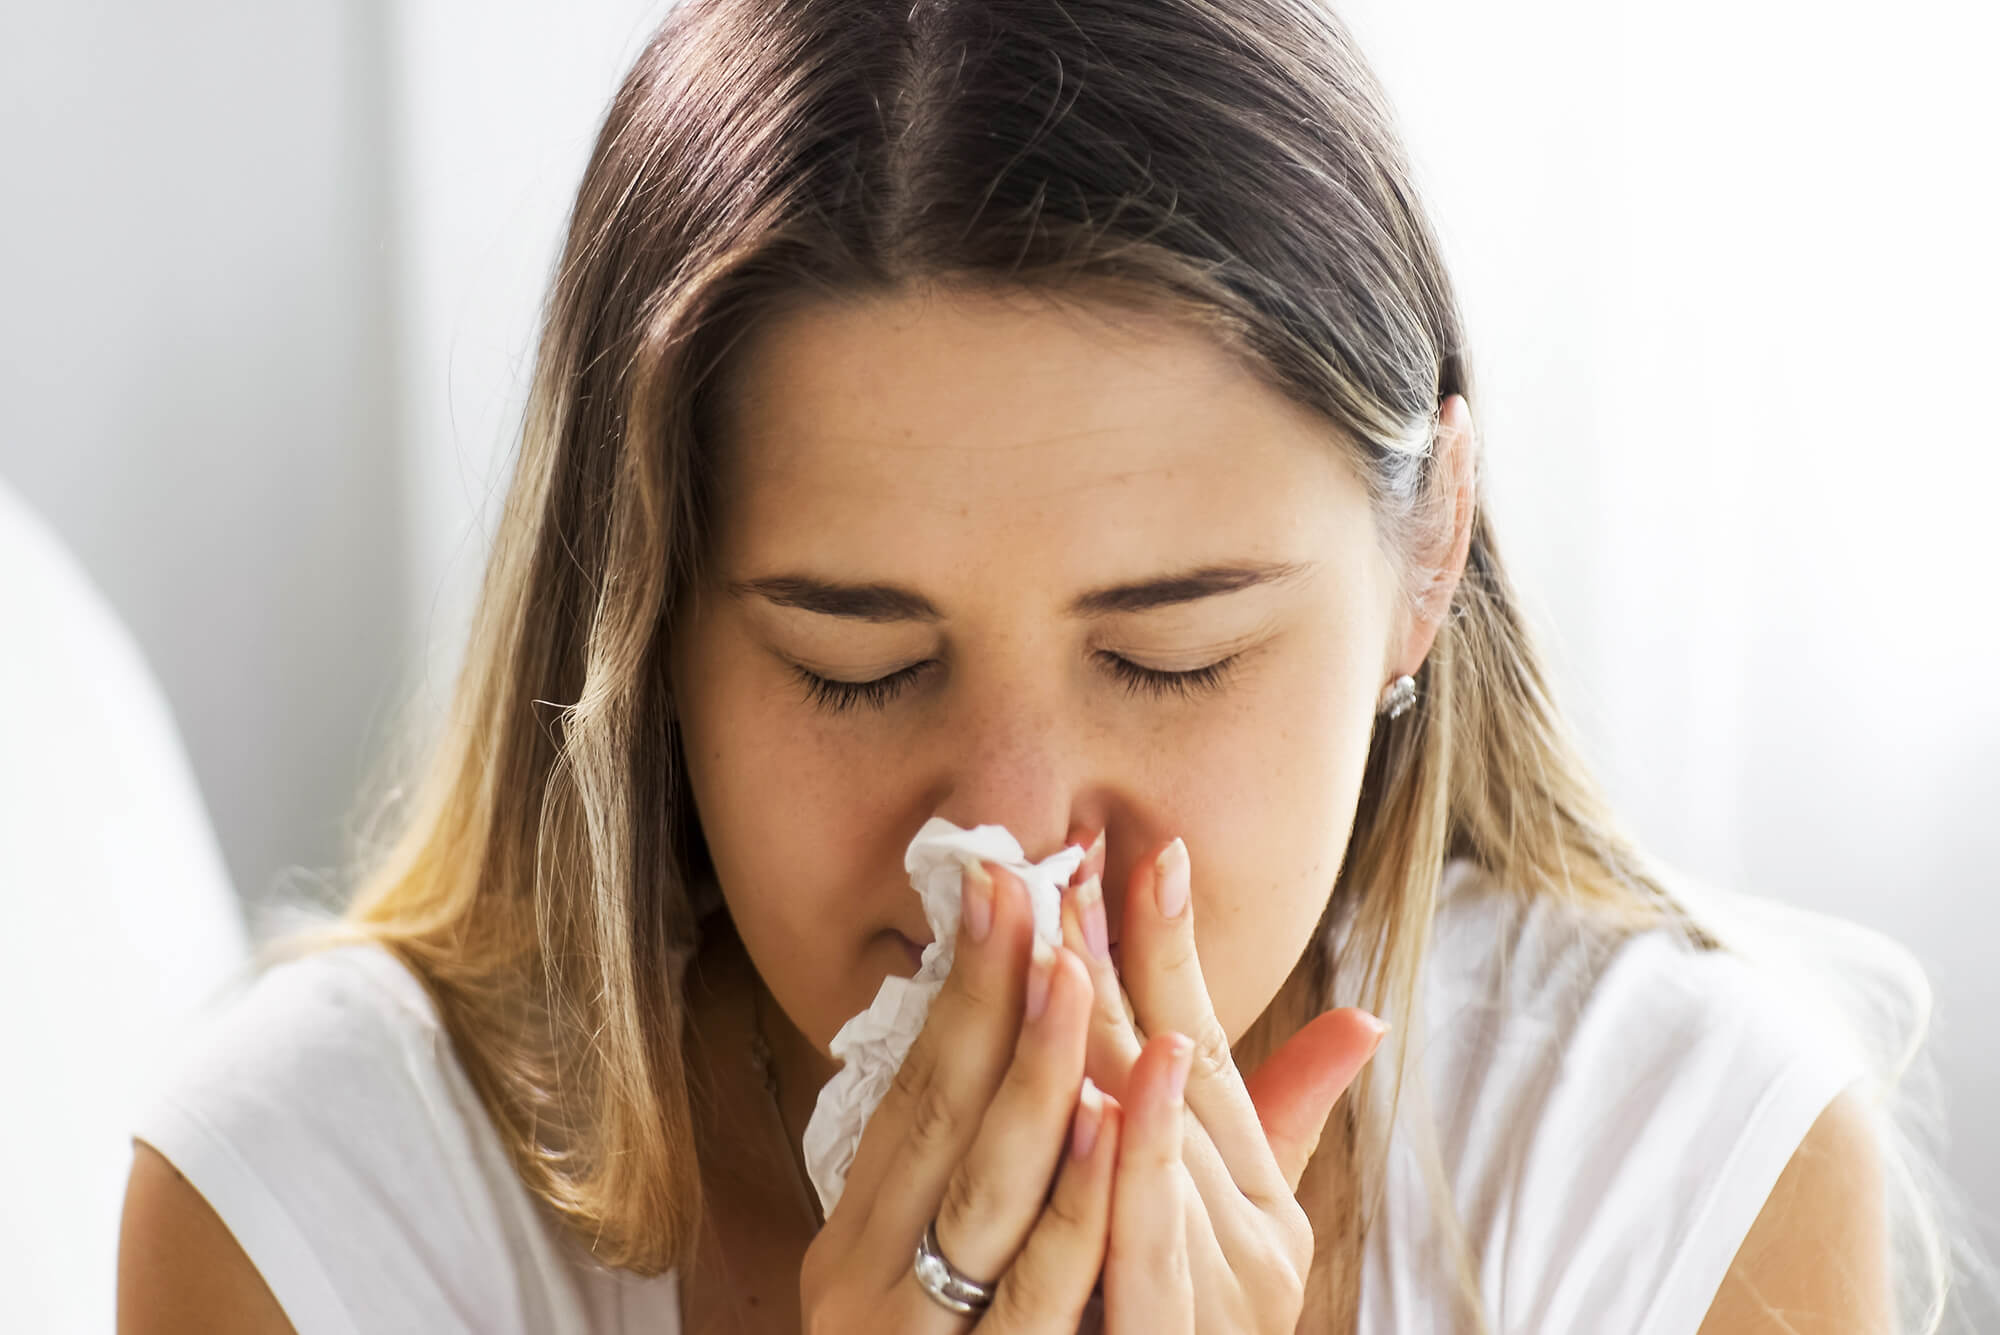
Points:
(767, 1067)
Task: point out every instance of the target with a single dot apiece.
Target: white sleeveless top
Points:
(1610, 1116)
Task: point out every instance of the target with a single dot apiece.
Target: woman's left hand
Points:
(1206, 1232)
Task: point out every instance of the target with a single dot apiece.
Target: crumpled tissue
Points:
(872, 1045)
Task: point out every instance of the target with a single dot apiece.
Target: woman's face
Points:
(1052, 568)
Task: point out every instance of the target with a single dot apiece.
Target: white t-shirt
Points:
(1611, 1118)
(1611, 1110)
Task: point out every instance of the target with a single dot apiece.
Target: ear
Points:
(1455, 449)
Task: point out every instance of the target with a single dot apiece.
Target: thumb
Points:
(1296, 1088)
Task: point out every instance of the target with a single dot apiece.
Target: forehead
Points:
(873, 429)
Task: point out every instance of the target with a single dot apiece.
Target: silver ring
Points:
(943, 1281)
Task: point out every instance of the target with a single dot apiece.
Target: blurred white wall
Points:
(498, 102)
(195, 374)
(1730, 280)
(122, 926)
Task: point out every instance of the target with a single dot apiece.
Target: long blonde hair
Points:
(1231, 161)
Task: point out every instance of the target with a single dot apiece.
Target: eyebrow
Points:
(891, 602)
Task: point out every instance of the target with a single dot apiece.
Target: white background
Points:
(271, 274)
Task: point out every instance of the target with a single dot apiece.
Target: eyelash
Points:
(1151, 681)
(839, 696)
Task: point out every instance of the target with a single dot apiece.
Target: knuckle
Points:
(828, 1313)
(968, 1196)
(811, 1278)
(839, 1295)
(1271, 1276)
(1160, 1256)
(974, 984)
(1179, 955)
(1212, 1055)
(1166, 1161)
(1065, 1215)
(817, 1272)
(1273, 1282)
(1296, 1234)
(934, 1121)
(1166, 1263)
(918, 1073)
(1030, 1292)
(976, 991)
(1108, 1004)
(1110, 1009)
(1287, 1293)
(1023, 1298)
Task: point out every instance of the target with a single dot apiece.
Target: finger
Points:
(1241, 1227)
(1113, 1043)
(928, 1117)
(1049, 1284)
(996, 1193)
(1237, 1224)
(1217, 1284)
(1163, 975)
(1295, 1090)
(1148, 1284)
(1091, 841)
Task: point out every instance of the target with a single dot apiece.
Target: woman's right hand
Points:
(991, 1130)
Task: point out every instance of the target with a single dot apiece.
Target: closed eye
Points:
(836, 696)
(1158, 683)
(839, 696)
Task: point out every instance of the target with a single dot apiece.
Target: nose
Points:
(1015, 759)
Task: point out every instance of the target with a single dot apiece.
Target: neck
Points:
(734, 1011)
(800, 1067)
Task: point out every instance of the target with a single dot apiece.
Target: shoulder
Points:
(179, 1268)
(328, 1126)
(315, 1121)
(1611, 1108)
(1816, 1260)
(343, 1005)
(1547, 998)
(338, 1054)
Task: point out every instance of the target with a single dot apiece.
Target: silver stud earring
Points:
(1398, 696)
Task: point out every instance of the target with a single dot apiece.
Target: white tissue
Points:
(873, 1043)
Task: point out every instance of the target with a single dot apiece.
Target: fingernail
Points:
(1182, 1054)
(1089, 1116)
(1093, 857)
(1041, 968)
(1090, 917)
(1380, 1026)
(1170, 879)
(976, 896)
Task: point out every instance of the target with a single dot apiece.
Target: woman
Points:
(1054, 416)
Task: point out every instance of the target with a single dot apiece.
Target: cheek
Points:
(1267, 818)
(809, 855)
